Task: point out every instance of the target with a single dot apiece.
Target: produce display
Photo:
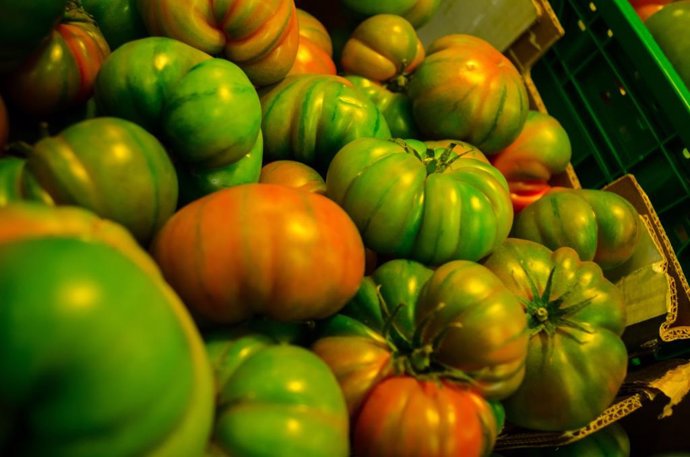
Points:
(231, 228)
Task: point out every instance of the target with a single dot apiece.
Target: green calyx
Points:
(548, 315)
(436, 160)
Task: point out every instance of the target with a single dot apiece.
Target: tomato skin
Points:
(601, 226)
(668, 27)
(524, 193)
(405, 210)
(261, 37)
(112, 167)
(314, 54)
(326, 113)
(417, 12)
(541, 150)
(293, 174)
(73, 299)
(396, 107)
(17, 185)
(61, 73)
(228, 264)
(119, 20)
(576, 356)
(406, 417)
(381, 48)
(466, 89)
(167, 97)
(259, 408)
(24, 27)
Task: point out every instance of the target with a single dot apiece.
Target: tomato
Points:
(325, 112)
(255, 249)
(315, 47)
(293, 174)
(524, 193)
(576, 361)
(61, 73)
(195, 182)
(430, 205)
(407, 319)
(17, 185)
(382, 48)
(599, 225)
(260, 36)
(541, 150)
(406, 417)
(417, 12)
(395, 107)
(669, 28)
(66, 322)
(461, 148)
(119, 20)
(112, 167)
(24, 26)
(186, 98)
(275, 396)
(466, 89)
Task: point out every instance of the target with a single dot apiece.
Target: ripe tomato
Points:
(467, 90)
(407, 417)
(314, 54)
(260, 36)
(293, 174)
(382, 48)
(255, 249)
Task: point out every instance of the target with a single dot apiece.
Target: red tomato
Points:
(261, 249)
(407, 417)
(293, 174)
(524, 193)
(314, 53)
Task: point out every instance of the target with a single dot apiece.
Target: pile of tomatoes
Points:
(271, 228)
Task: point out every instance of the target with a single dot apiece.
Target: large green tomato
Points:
(111, 166)
(97, 356)
(205, 110)
(427, 204)
(601, 226)
(17, 185)
(274, 399)
(309, 117)
(576, 360)
(24, 25)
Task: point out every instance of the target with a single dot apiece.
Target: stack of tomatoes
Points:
(268, 228)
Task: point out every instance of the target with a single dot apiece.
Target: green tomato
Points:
(112, 167)
(24, 25)
(205, 110)
(308, 118)
(97, 356)
(17, 185)
(599, 225)
(576, 360)
(396, 107)
(275, 397)
(119, 20)
(411, 201)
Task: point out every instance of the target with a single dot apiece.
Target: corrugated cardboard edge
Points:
(677, 323)
(668, 379)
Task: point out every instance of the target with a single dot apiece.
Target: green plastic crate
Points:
(624, 107)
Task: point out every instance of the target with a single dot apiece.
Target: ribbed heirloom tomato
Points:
(261, 249)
